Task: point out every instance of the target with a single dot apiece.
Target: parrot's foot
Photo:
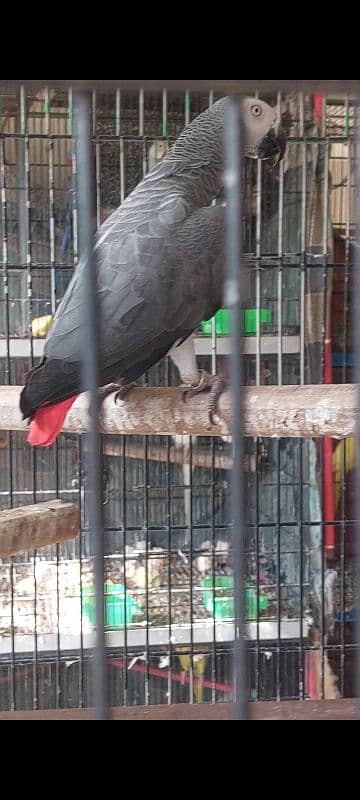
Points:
(213, 384)
(120, 390)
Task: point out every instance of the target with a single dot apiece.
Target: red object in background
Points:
(311, 677)
(176, 677)
(319, 108)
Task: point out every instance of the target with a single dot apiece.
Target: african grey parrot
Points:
(160, 273)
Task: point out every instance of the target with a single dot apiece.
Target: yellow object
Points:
(344, 461)
(41, 327)
(200, 663)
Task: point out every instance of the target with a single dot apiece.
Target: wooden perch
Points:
(32, 527)
(270, 412)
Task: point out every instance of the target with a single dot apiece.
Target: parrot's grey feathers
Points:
(160, 263)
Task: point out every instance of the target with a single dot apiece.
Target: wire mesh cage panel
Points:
(169, 592)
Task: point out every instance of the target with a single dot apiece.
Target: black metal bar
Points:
(124, 511)
(228, 86)
(233, 179)
(169, 561)
(346, 351)
(302, 570)
(190, 522)
(356, 323)
(147, 571)
(213, 558)
(91, 350)
(8, 378)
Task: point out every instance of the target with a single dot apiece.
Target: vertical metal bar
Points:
(21, 179)
(280, 275)
(147, 565)
(278, 572)
(258, 270)
(125, 522)
(5, 265)
(118, 113)
(169, 571)
(356, 317)
(94, 113)
(165, 126)
(74, 180)
(74, 187)
(98, 183)
(328, 510)
(81, 560)
(29, 252)
(26, 242)
(141, 113)
(52, 226)
(280, 253)
(347, 322)
(214, 347)
(233, 179)
(91, 349)
(5, 262)
(142, 132)
(303, 276)
(258, 568)
(122, 170)
(187, 107)
(258, 323)
(121, 146)
(303, 243)
(214, 337)
(213, 565)
(35, 658)
(70, 113)
(326, 204)
(301, 570)
(51, 185)
(258, 294)
(190, 516)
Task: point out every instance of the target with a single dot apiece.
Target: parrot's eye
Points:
(256, 111)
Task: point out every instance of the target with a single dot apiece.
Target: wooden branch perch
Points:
(275, 412)
(33, 527)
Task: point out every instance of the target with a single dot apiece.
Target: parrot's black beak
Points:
(273, 147)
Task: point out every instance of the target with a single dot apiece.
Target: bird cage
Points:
(167, 499)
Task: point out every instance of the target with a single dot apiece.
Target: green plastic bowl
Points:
(251, 319)
(222, 600)
(119, 612)
(223, 322)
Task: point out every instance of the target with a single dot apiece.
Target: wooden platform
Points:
(341, 710)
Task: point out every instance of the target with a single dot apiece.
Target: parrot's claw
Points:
(120, 390)
(213, 384)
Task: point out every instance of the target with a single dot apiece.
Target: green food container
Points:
(251, 318)
(223, 322)
(222, 600)
(118, 610)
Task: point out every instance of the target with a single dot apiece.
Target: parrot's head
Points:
(264, 136)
